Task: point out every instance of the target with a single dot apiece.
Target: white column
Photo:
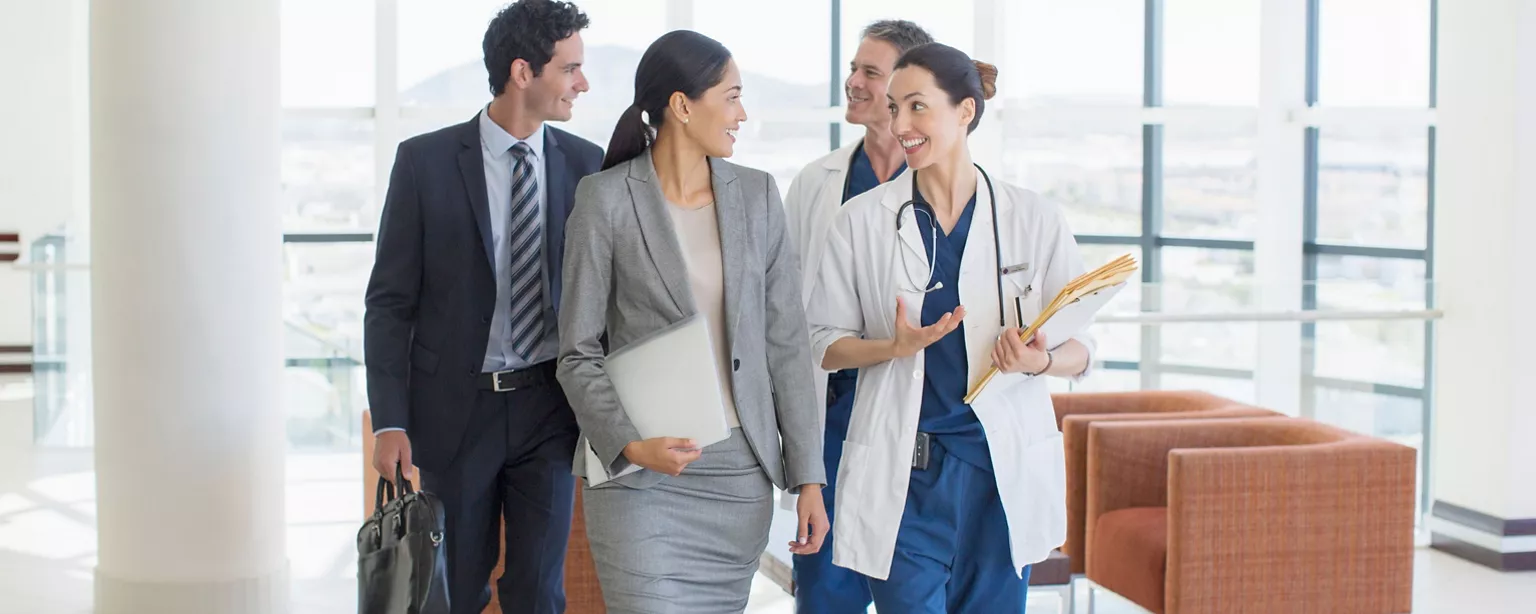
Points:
(1281, 154)
(187, 287)
(1485, 190)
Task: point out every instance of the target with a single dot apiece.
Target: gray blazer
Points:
(625, 278)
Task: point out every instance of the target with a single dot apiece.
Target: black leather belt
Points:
(507, 381)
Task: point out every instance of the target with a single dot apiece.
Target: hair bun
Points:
(988, 74)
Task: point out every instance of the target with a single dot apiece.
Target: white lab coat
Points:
(815, 197)
(859, 277)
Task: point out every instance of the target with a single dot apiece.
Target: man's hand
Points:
(668, 455)
(1012, 355)
(909, 340)
(389, 448)
(813, 526)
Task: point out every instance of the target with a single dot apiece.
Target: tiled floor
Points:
(48, 542)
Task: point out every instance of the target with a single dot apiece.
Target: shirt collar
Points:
(498, 141)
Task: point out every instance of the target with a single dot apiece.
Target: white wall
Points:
(43, 115)
(1485, 432)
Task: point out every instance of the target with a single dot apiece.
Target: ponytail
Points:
(630, 138)
(681, 61)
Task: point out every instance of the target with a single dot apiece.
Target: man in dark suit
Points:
(459, 330)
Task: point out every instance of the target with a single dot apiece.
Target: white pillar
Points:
(187, 287)
(1485, 189)
(1277, 245)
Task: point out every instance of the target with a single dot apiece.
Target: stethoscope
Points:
(930, 251)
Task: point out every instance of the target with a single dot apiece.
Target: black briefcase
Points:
(401, 559)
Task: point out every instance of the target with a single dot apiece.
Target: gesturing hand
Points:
(910, 340)
(668, 455)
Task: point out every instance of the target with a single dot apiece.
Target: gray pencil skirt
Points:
(687, 545)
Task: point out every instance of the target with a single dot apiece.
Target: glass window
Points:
(1118, 342)
(1241, 390)
(951, 23)
(328, 174)
(1375, 351)
(1211, 52)
(1400, 419)
(1364, 283)
(327, 53)
(1373, 53)
(1199, 280)
(776, 79)
(1088, 164)
(1373, 187)
(1210, 179)
(775, 76)
(1107, 380)
(1077, 54)
(442, 63)
(322, 339)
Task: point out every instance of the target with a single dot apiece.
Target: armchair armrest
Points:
(1257, 527)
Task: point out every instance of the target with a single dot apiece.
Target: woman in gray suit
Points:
(666, 230)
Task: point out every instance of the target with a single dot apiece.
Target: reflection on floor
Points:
(48, 543)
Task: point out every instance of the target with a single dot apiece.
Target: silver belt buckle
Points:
(496, 382)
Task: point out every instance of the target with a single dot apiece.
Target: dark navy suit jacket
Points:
(430, 297)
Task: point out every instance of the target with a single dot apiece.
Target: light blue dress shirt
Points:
(495, 152)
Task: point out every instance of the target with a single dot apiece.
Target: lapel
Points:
(730, 212)
(656, 229)
(558, 197)
(472, 167)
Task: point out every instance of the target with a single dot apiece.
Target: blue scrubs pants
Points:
(820, 586)
(952, 552)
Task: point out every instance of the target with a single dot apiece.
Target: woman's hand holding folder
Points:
(669, 455)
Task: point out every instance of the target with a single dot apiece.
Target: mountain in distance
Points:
(611, 71)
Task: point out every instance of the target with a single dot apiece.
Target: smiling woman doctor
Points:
(923, 284)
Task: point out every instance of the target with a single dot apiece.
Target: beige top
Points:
(698, 233)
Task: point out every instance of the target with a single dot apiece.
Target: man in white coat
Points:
(815, 196)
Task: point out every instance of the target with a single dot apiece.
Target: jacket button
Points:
(485, 320)
(735, 364)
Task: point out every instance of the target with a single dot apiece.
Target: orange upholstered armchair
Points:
(1251, 515)
(582, 594)
(1076, 410)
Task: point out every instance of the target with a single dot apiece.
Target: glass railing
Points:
(1360, 349)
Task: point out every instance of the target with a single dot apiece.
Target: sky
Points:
(1373, 52)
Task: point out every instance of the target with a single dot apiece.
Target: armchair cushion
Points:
(1132, 549)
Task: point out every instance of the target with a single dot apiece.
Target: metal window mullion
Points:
(1151, 192)
(1309, 299)
(834, 89)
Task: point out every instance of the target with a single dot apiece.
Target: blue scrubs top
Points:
(861, 179)
(944, 412)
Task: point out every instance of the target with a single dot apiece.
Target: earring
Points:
(685, 120)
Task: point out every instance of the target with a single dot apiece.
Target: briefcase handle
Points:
(379, 498)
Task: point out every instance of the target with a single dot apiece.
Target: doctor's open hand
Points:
(1013, 355)
(909, 339)
(668, 455)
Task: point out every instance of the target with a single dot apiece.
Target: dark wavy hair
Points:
(527, 30)
(956, 73)
(680, 61)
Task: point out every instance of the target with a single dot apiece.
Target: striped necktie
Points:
(525, 246)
